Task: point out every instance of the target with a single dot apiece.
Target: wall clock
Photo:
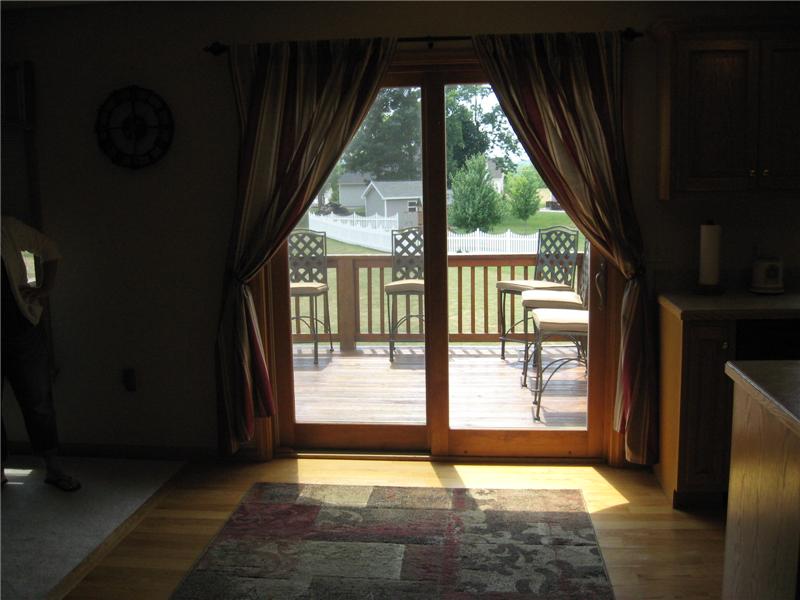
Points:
(134, 127)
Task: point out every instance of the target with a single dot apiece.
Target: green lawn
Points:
(337, 247)
(538, 221)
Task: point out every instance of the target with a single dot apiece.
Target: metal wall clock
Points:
(134, 127)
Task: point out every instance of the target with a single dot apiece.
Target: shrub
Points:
(476, 203)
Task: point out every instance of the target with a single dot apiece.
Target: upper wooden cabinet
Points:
(779, 142)
(730, 113)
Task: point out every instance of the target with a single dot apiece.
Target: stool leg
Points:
(390, 311)
(539, 389)
(502, 313)
(314, 331)
(326, 308)
(527, 349)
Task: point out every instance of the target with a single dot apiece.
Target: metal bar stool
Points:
(308, 278)
(556, 262)
(555, 314)
(408, 271)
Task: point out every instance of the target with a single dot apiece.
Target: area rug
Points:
(334, 541)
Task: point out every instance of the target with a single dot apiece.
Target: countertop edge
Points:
(729, 307)
(764, 397)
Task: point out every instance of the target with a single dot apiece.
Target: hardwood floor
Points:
(485, 391)
(652, 551)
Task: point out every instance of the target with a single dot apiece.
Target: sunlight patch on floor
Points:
(14, 475)
(599, 493)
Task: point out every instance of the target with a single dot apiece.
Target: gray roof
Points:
(398, 189)
(351, 178)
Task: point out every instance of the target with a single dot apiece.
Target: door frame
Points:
(432, 71)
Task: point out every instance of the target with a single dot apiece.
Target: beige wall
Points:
(144, 250)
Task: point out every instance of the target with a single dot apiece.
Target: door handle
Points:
(600, 284)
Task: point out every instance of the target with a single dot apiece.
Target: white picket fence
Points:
(376, 232)
(479, 242)
(371, 232)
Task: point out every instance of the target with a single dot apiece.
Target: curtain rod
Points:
(628, 34)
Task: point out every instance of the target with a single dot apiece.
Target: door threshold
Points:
(427, 457)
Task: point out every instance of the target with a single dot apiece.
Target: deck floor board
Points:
(485, 391)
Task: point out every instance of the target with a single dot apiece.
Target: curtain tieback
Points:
(638, 273)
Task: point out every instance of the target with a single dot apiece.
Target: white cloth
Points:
(17, 237)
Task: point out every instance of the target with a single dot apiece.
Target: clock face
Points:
(134, 127)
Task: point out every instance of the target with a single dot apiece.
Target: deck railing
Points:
(358, 304)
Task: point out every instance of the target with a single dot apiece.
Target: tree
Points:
(475, 128)
(388, 144)
(464, 137)
(476, 204)
(522, 189)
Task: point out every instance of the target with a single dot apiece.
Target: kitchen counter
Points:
(773, 383)
(731, 305)
(762, 535)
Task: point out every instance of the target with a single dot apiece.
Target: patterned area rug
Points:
(333, 541)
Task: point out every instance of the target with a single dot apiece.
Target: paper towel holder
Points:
(708, 283)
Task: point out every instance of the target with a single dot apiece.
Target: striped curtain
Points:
(562, 94)
(299, 105)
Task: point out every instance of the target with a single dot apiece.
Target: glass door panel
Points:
(500, 242)
(360, 250)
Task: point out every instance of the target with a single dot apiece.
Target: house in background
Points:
(390, 198)
(547, 199)
(498, 178)
(351, 189)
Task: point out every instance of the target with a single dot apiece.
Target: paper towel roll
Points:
(709, 254)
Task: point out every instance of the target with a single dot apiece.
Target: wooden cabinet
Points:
(730, 113)
(779, 149)
(706, 410)
(695, 410)
(698, 335)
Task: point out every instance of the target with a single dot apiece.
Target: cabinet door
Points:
(779, 148)
(706, 407)
(716, 115)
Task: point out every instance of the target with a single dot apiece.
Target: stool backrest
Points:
(408, 259)
(308, 256)
(557, 255)
(583, 278)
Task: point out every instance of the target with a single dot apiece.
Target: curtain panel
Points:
(299, 105)
(562, 94)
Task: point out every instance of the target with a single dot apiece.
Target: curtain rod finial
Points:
(216, 48)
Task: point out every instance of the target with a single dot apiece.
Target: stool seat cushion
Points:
(522, 285)
(405, 286)
(551, 299)
(307, 288)
(561, 320)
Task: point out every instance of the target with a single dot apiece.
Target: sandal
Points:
(64, 482)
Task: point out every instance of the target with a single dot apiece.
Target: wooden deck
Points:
(485, 391)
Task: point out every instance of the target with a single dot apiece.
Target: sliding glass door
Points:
(357, 287)
(403, 337)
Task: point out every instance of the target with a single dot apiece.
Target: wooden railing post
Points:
(346, 275)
